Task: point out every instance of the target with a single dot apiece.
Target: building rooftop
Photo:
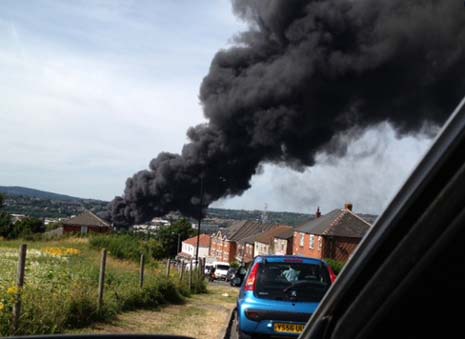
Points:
(86, 219)
(268, 236)
(339, 222)
(204, 241)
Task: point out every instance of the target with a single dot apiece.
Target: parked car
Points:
(208, 267)
(280, 294)
(231, 272)
(238, 277)
(221, 269)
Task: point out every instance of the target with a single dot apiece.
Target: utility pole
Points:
(200, 219)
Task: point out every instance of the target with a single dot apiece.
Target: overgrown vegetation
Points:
(125, 246)
(164, 243)
(335, 265)
(61, 287)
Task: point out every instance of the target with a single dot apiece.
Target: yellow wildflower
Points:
(2, 307)
(61, 252)
(12, 290)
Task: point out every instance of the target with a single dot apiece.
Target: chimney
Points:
(318, 213)
(348, 206)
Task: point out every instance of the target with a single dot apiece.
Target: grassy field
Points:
(61, 286)
(202, 316)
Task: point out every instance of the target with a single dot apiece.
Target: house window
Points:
(302, 237)
(312, 241)
(320, 243)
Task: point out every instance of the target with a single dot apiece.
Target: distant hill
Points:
(37, 203)
(42, 204)
(33, 193)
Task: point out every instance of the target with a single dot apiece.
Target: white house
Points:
(189, 246)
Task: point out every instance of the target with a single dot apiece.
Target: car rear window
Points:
(292, 281)
(222, 267)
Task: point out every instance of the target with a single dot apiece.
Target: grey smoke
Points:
(376, 164)
(304, 74)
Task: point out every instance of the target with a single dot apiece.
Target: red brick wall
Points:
(232, 251)
(223, 250)
(339, 248)
(71, 229)
(217, 248)
(302, 247)
(90, 229)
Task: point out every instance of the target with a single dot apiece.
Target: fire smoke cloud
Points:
(304, 73)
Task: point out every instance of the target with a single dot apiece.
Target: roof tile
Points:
(339, 222)
(204, 241)
(87, 219)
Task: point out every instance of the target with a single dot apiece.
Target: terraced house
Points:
(226, 245)
(335, 235)
(264, 243)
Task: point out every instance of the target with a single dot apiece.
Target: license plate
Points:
(288, 328)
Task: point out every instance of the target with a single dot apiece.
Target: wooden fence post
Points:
(101, 280)
(168, 266)
(199, 268)
(190, 275)
(141, 274)
(182, 272)
(202, 268)
(19, 285)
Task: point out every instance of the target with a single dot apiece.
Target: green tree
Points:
(26, 227)
(154, 249)
(5, 220)
(168, 236)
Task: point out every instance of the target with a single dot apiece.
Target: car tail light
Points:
(252, 279)
(332, 275)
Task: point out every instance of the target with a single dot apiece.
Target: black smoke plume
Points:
(303, 74)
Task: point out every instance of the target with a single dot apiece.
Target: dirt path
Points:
(202, 316)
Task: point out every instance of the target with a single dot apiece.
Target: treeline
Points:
(25, 228)
(162, 244)
(51, 208)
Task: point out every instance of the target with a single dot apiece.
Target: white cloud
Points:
(71, 114)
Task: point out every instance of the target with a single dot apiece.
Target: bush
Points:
(335, 265)
(121, 246)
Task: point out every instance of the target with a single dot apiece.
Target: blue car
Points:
(279, 294)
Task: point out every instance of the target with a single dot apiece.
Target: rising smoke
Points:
(303, 74)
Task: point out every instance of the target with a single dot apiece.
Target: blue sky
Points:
(91, 91)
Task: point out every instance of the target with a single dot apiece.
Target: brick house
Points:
(282, 243)
(84, 223)
(335, 235)
(226, 245)
(264, 243)
(222, 248)
(245, 249)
